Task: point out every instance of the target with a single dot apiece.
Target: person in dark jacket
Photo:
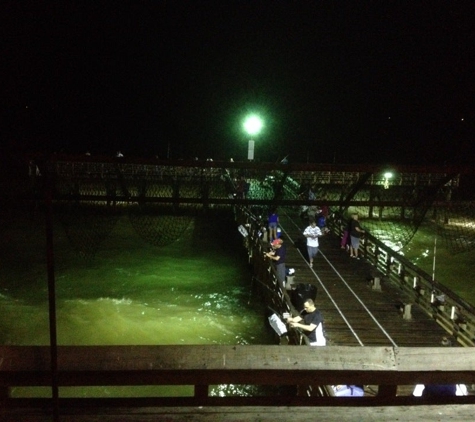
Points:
(277, 255)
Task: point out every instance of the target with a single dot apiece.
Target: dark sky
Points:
(345, 81)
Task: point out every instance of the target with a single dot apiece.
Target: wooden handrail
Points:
(205, 365)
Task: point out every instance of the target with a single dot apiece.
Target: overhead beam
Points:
(305, 167)
(226, 201)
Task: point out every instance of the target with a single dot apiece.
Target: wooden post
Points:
(142, 190)
(387, 391)
(388, 265)
(176, 194)
(51, 298)
(376, 284)
(201, 391)
(205, 189)
(371, 206)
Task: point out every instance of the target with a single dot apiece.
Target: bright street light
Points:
(252, 125)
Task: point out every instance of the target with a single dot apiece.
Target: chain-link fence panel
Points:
(456, 225)
(86, 224)
(159, 225)
(159, 198)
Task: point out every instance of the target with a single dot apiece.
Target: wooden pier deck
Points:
(354, 312)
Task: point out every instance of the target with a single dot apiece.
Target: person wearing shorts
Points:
(355, 234)
(312, 233)
(273, 224)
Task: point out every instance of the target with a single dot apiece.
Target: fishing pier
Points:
(385, 319)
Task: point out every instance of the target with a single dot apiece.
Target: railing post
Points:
(387, 391)
(388, 265)
(51, 297)
(201, 392)
(205, 189)
(4, 395)
(376, 256)
(376, 284)
(176, 194)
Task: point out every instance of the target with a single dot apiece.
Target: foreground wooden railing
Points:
(202, 366)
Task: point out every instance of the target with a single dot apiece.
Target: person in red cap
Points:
(278, 256)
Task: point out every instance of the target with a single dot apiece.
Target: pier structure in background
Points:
(392, 200)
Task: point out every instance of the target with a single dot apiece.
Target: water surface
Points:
(195, 290)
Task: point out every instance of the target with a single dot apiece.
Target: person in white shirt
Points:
(312, 233)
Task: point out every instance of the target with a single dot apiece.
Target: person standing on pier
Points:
(312, 323)
(312, 233)
(345, 241)
(273, 224)
(355, 234)
(278, 256)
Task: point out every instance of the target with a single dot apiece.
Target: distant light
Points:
(253, 125)
(462, 119)
(388, 175)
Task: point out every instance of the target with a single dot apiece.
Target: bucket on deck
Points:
(302, 292)
(289, 279)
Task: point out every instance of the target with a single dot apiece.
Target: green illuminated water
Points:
(196, 290)
(452, 270)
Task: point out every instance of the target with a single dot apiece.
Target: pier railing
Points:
(203, 366)
(275, 295)
(450, 311)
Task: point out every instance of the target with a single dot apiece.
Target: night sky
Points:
(335, 81)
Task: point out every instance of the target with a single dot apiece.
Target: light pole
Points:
(388, 175)
(252, 126)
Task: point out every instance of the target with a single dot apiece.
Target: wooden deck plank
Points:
(385, 305)
(275, 414)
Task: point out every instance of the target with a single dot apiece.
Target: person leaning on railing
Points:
(312, 323)
(278, 256)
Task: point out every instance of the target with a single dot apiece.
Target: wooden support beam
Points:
(250, 364)
(177, 413)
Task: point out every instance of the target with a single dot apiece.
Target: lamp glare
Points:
(253, 125)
